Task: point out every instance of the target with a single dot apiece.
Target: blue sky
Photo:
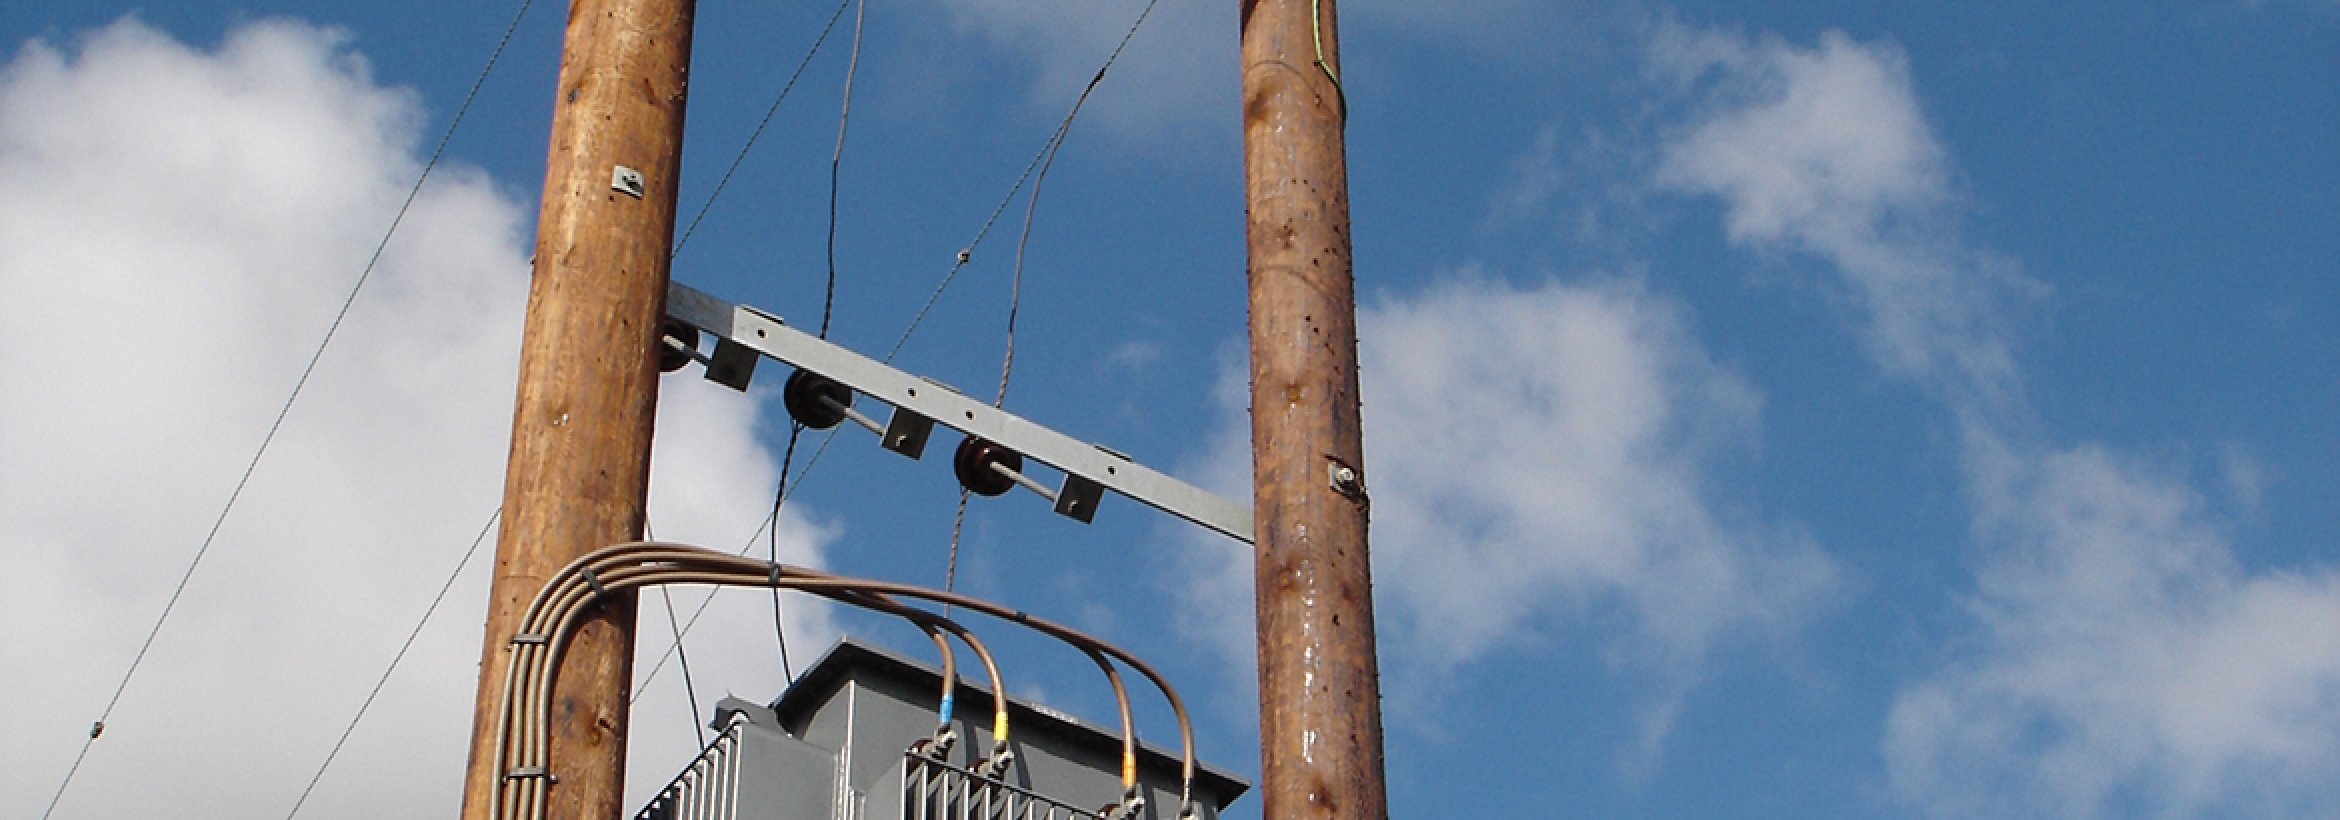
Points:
(1777, 410)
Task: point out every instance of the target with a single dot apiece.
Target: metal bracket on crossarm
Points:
(919, 402)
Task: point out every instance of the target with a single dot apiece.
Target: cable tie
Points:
(594, 581)
(528, 637)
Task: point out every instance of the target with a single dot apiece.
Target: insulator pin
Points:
(816, 401)
(678, 344)
(974, 463)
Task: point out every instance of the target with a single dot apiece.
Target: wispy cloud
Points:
(2120, 659)
(1824, 151)
(198, 217)
(2127, 660)
(1177, 75)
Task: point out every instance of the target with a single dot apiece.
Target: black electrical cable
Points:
(966, 254)
(836, 161)
(772, 532)
(308, 370)
(1045, 159)
(1016, 283)
(477, 540)
(828, 310)
(759, 130)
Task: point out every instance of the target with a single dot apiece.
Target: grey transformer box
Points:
(847, 742)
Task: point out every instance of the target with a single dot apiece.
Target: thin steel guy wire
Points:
(394, 661)
(99, 727)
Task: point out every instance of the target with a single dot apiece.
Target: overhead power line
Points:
(758, 133)
(99, 727)
(394, 661)
(1046, 160)
(1040, 158)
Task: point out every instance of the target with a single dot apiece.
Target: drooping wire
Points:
(951, 568)
(966, 254)
(1032, 207)
(759, 130)
(395, 659)
(828, 311)
(836, 160)
(771, 530)
(1046, 159)
(97, 728)
(769, 525)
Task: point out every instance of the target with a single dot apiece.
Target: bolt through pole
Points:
(579, 469)
(1319, 686)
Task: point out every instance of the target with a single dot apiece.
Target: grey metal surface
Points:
(933, 790)
(874, 704)
(752, 771)
(836, 746)
(766, 334)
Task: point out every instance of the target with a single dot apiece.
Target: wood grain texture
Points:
(1319, 681)
(588, 384)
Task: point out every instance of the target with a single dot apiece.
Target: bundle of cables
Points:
(523, 733)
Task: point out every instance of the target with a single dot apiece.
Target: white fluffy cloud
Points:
(1538, 458)
(1541, 452)
(2120, 660)
(183, 226)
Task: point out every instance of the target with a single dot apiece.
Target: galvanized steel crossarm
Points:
(768, 335)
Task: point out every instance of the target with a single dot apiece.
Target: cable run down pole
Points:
(524, 757)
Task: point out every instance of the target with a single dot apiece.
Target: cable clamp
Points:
(526, 772)
(938, 746)
(529, 638)
(594, 581)
(774, 581)
(1132, 806)
(1001, 759)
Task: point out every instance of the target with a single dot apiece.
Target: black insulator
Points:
(804, 399)
(670, 359)
(973, 464)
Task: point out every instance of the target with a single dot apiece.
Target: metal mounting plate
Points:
(767, 335)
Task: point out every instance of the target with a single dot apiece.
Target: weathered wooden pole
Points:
(580, 461)
(1319, 682)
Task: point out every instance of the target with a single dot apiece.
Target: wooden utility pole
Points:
(1319, 682)
(580, 463)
